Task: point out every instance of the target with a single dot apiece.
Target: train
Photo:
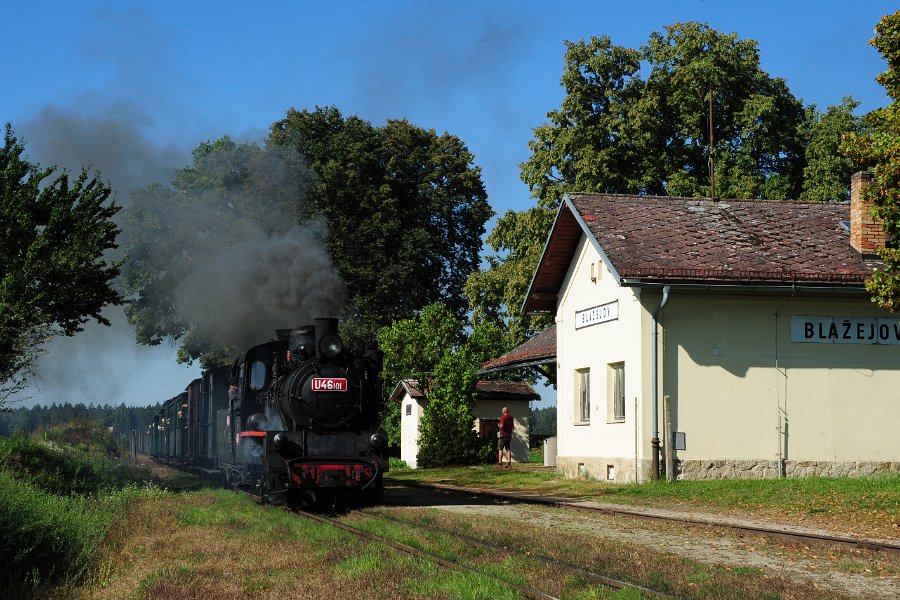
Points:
(294, 420)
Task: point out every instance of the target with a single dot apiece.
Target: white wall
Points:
(409, 429)
(731, 368)
(596, 347)
(518, 409)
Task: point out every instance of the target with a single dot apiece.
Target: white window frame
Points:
(583, 396)
(615, 392)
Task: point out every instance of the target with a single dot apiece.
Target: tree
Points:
(616, 132)
(827, 169)
(434, 349)
(879, 150)
(405, 209)
(54, 271)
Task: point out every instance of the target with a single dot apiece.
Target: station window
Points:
(257, 375)
(409, 409)
(615, 392)
(583, 396)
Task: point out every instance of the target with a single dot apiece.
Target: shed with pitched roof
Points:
(491, 397)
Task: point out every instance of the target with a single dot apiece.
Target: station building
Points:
(742, 324)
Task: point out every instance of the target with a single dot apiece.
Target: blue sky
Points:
(168, 75)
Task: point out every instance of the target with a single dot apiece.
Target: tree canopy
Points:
(636, 121)
(879, 150)
(54, 271)
(332, 216)
(405, 208)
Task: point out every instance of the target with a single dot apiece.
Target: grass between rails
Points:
(222, 545)
(866, 506)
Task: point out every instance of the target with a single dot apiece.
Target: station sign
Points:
(845, 330)
(597, 314)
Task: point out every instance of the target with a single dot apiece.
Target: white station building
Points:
(742, 324)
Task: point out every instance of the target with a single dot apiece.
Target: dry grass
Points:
(216, 545)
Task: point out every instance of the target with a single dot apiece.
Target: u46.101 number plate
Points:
(329, 384)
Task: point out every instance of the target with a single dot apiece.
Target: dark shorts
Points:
(503, 443)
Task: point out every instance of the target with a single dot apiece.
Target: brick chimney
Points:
(866, 234)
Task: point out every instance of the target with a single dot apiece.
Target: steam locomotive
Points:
(294, 420)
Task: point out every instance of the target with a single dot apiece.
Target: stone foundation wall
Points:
(599, 469)
(767, 469)
(625, 470)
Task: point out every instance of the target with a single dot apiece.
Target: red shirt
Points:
(506, 425)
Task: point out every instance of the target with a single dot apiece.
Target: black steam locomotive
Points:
(294, 420)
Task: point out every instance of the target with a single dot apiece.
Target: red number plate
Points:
(329, 384)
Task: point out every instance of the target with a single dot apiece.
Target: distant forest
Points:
(125, 418)
(543, 421)
(121, 418)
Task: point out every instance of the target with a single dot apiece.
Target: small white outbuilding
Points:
(491, 397)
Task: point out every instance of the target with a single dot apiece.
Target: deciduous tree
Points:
(637, 121)
(405, 208)
(434, 349)
(879, 150)
(54, 271)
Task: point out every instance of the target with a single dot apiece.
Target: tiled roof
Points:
(684, 240)
(486, 390)
(540, 347)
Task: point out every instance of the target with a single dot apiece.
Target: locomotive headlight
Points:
(331, 345)
(378, 439)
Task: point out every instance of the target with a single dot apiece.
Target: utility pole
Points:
(712, 162)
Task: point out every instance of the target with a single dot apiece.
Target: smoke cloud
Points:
(224, 249)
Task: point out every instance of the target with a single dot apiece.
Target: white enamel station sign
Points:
(597, 314)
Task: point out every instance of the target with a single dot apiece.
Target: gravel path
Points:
(816, 567)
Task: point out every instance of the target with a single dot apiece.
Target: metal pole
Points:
(654, 442)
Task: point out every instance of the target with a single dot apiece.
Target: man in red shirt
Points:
(503, 438)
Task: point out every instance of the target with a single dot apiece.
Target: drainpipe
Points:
(654, 442)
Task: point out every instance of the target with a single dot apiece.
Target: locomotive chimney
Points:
(324, 327)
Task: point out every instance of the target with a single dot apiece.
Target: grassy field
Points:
(82, 522)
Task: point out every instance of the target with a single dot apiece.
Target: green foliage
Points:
(879, 150)
(543, 421)
(405, 209)
(827, 170)
(54, 276)
(59, 492)
(616, 132)
(497, 293)
(619, 132)
(434, 350)
(122, 419)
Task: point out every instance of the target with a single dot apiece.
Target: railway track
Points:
(786, 533)
(526, 591)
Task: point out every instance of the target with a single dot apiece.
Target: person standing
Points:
(504, 437)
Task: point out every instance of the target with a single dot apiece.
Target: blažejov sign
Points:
(845, 330)
(597, 314)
